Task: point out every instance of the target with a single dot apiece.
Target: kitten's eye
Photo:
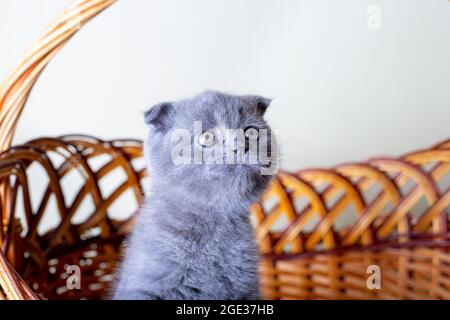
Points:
(251, 133)
(207, 139)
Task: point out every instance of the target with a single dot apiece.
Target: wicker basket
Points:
(323, 234)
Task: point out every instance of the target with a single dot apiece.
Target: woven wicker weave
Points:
(319, 230)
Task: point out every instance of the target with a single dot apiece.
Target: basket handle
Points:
(16, 88)
(14, 92)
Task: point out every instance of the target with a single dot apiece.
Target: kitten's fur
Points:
(193, 238)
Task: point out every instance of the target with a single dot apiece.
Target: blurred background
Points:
(350, 79)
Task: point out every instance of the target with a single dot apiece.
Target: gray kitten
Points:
(193, 238)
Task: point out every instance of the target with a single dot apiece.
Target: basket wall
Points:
(319, 230)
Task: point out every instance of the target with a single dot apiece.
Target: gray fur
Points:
(193, 238)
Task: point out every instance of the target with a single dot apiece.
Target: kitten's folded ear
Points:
(260, 105)
(158, 116)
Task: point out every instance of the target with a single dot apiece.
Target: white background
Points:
(342, 92)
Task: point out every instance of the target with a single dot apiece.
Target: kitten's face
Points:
(216, 144)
